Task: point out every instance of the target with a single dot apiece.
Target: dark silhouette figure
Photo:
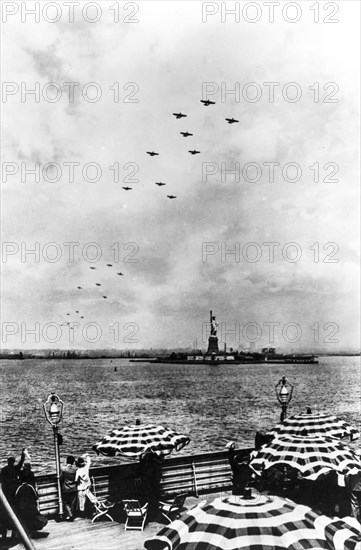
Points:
(150, 474)
(26, 499)
(242, 473)
(262, 438)
(353, 488)
(9, 476)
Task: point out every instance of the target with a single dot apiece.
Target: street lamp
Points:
(284, 392)
(53, 408)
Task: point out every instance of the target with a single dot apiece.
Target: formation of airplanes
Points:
(105, 297)
(180, 115)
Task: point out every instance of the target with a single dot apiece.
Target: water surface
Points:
(211, 403)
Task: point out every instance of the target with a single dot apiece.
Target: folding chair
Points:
(172, 509)
(136, 515)
(101, 504)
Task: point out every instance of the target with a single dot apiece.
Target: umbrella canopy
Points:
(262, 523)
(316, 425)
(343, 533)
(312, 456)
(133, 441)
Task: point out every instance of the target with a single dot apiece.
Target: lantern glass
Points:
(53, 408)
(284, 394)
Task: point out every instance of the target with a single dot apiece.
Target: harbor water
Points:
(213, 404)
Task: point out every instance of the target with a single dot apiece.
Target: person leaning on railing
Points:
(9, 476)
(82, 481)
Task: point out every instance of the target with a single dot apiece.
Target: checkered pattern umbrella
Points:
(133, 441)
(317, 425)
(343, 533)
(312, 456)
(263, 523)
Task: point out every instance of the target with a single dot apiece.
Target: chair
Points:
(100, 503)
(172, 509)
(136, 515)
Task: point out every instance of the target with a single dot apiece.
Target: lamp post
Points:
(53, 408)
(284, 392)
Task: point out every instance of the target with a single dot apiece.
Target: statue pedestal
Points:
(213, 345)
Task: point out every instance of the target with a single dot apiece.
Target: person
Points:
(242, 473)
(26, 499)
(353, 487)
(150, 473)
(9, 476)
(82, 481)
(69, 487)
(28, 473)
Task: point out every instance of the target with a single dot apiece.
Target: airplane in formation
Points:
(231, 120)
(171, 196)
(207, 102)
(127, 188)
(160, 183)
(152, 153)
(186, 134)
(194, 152)
(179, 115)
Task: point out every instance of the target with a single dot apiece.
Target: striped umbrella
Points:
(133, 441)
(343, 533)
(316, 425)
(312, 456)
(263, 523)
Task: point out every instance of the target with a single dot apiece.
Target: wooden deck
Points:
(82, 534)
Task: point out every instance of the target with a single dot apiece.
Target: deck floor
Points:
(82, 534)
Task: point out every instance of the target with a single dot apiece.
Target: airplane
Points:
(194, 152)
(119, 273)
(207, 102)
(179, 115)
(82, 317)
(231, 120)
(110, 265)
(152, 153)
(77, 311)
(171, 196)
(68, 313)
(92, 267)
(80, 287)
(160, 183)
(186, 134)
(98, 284)
(127, 188)
(105, 297)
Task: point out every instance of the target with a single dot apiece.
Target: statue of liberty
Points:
(214, 326)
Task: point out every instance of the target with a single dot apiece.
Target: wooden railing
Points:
(193, 474)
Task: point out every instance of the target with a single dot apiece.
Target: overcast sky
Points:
(161, 64)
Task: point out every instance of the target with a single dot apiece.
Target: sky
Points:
(128, 78)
